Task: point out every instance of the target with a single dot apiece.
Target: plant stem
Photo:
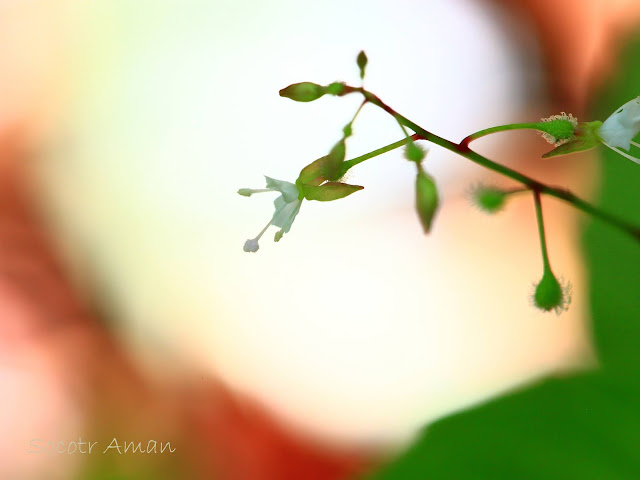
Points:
(502, 128)
(543, 238)
(355, 161)
(463, 150)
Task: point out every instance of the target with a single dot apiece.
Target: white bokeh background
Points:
(355, 326)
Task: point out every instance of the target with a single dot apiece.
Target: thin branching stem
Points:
(465, 151)
(541, 232)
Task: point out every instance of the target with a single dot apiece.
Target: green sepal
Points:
(314, 173)
(586, 137)
(303, 92)
(329, 191)
(325, 168)
(335, 159)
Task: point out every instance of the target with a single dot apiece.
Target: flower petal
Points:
(285, 213)
(289, 190)
(619, 129)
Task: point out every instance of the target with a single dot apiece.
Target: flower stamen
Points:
(624, 154)
(247, 192)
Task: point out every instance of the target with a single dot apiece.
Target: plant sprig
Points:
(320, 180)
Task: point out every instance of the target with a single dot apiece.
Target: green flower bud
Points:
(336, 88)
(414, 152)
(362, 62)
(303, 92)
(488, 199)
(347, 130)
(550, 294)
(427, 201)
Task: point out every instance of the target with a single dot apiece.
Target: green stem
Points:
(463, 150)
(543, 238)
(355, 161)
(355, 115)
(501, 128)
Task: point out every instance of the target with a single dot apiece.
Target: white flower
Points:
(287, 207)
(619, 129)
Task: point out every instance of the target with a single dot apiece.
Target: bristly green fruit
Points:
(489, 199)
(427, 200)
(303, 92)
(414, 152)
(550, 295)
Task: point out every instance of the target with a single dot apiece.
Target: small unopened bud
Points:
(362, 63)
(550, 295)
(303, 92)
(488, 199)
(414, 152)
(251, 245)
(427, 201)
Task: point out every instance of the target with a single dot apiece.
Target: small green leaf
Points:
(362, 63)
(303, 92)
(329, 191)
(427, 201)
(586, 138)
